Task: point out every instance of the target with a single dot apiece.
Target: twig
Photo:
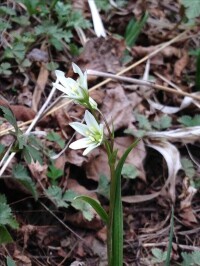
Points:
(141, 82)
(34, 122)
(108, 80)
(61, 222)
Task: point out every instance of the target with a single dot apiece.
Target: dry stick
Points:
(34, 121)
(140, 82)
(108, 80)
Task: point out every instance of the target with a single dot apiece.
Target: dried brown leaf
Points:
(117, 108)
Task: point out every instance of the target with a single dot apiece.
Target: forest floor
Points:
(145, 40)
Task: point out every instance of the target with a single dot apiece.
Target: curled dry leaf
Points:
(184, 135)
(172, 158)
(186, 102)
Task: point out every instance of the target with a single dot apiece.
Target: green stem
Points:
(111, 212)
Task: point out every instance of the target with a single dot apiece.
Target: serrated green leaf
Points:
(54, 173)
(69, 195)
(188, 167)
(5, 69)
(143, 122)
(10, 261)
(136, 133)
(52, 66)
(55, 193)
(7, 11)
(21, 174)
(163, 122)
(129, 171)
(5, 236)
(96, 206)
(196, 257)
(33, 153)
(6, 217)
(159, 255)
(103, 186)
(17, 51)
(55, 137)
(189, 121)
(187, 259)
(9, 116)
(192, 8)
(85, 208)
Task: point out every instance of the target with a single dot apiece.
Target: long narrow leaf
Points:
(133, 30)
(96, 206)
(117, 230)
(169, 250)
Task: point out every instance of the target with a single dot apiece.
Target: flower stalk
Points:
(93, 132)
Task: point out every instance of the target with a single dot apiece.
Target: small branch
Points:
(141, 82)
(32, 125)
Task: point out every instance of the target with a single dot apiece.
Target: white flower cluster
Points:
(77, 90)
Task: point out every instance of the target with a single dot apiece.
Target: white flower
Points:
(75, 90)
(97, 22)
(92, 131)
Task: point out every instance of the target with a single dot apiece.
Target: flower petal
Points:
(90, 148)
(91, 121)
(80, 144)
(80, 128)
(61, 77)
(93, 103)
(77, 70)
(62, 88)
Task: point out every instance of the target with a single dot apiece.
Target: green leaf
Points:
(188, 167)
(31, 153)
(7, 11)
(197, 76)
(136, 133)
(52, 66)
(96, 206)
(169, 249)
(84, 207)
(117, 227)
(189, 121)
(55, 137)
(103, 186)
(55, 193)
(21, 174)
(196, 257)
(163, 122)
(143, 122)
(9, 116)
(133, 30)
(187, 259)
(54, 173)
(17, 51)
(6, 217)
(5, 69)
(5, 236)
(21, 20)
(129, 171)
(192, 8)
(10, 261)
(159, 255)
